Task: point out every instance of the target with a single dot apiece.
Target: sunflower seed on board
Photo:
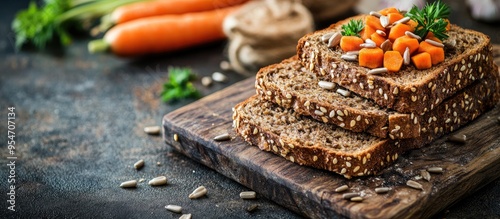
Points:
(326, 85)
(350, 195)
(402, 21)
(386, 45)
(158, 181)
(457, 138)
(219, 77)
(152, 130)
(222, 137)
(434, 43)
(174, 208)
(357, 199)
(248, 195)
(326, 37)
(381, 190)
(384, 21)
(198, 192)
(342, 188)
(435, 170)
(426, 175)
(377, 71)
(225, 65)
(414, 184)
(334, 39)
(349, 57)
(252, 207)
(139, 164)
(206, 81)
(412, 35)
(381, 32)
(343, 92)
(129, 184)
(376, 14)
(185, 216)
(406, 56)
(367, 45)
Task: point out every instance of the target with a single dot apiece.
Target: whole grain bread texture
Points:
(291, 85)
(468, 56)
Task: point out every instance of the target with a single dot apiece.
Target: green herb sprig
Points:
(179, 85)
(431, 18)
(353, 28)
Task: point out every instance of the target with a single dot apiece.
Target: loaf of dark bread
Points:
(290, 85)
(468, 57)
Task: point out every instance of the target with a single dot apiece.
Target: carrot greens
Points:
(352, 28)
(179, 85)
(431, 18)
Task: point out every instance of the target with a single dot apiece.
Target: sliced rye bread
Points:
(305, 141)
(468, 55)
(290, 85)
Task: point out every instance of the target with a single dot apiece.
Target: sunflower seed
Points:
(356, 199)
(158, 181)
(174, 208)
(334, 40)
(406, 56)
(252, 207)
(377, 71)
(185, 216)
(152, 130)
(206, 81)
(344, 93)
(349, 57)
(176, 137)
(426, 175)
(434, 43)
(129, 184)
(381, 190)
(139, 164)
(326, 37)
(402, 21)
(225, 65)
(384, 21)
(326, 85)
(222, 137)
(248, 195)
(386, 45)
(381, 32)
(342, 188)
(198, 192)
(374, 13)
(414, 184)
(412, 35)
(461, 139)
(435, 170)
(219, 77)
(350, 195)
(367, 45)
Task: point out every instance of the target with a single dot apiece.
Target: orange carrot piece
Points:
(161, 7)
(373, 22)
(371, 57)
(350, 43)
(377, 39)
(167, 32)
(393, 61)
(437, 53)
(401, 43)
(386, 11)
(398, 31)
(412, 24)
(367, 32)
(422, 60)
(393, 17)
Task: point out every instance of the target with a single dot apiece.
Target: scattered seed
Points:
(158, 163)
(356, 199)
(354, 52)
(350, 195)
(342, 188)
(412, 35)
(402, 21)
(349, 57)
(426, 175)
(129, 184)
(139, 164)
(381, 190)
(185, 216)
(222, 137)
(206, 81)
(326, 85)
(435, 170)
(414, 184)
(384, 21)
(198, 192)
(174, 208)
(334, 40)
(406, 56)
(434, 43)
(344, 93)
(158, 181)
(377, 71)
(252, 207)
(152, 130)
(219, 77)
(225, 65)
(367, 45)
(248, 195)
(326, 37)
(461, 139)
(386, 45)
(381, 32)
(142, 180)
(176, 137)
(376, 14)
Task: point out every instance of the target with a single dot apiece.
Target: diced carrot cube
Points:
(437, 53)
(393, 61)
(386, 11)
(371, 57)
(367, 32)
(377, 39)
(422, 60)
(350, 43)
(398, 31)
(393, 17)
(401, 43)
(373, 22)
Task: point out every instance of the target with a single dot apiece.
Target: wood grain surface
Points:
(311, 192)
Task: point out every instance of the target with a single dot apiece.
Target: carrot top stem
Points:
(96, 46)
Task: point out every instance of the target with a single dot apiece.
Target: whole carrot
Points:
(163, 33)
(160, 7)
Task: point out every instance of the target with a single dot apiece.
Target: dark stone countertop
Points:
(79, 122)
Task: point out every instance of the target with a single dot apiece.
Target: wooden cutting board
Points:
(310, 192)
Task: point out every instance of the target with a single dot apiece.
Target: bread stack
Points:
(319, 110)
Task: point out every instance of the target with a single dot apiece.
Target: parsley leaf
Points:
(179, 85)
(352, 28)
(431, 18)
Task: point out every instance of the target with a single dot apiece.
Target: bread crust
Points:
(468, 58)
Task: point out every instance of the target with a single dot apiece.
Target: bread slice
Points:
(305, 141)
(468, 56)
(290, 85)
